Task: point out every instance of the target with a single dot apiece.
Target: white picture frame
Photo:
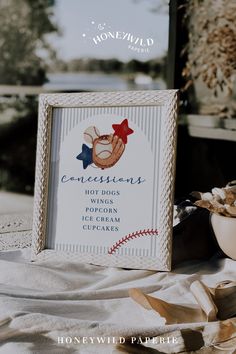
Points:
(107, 206)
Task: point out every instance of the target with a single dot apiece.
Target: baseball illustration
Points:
(106, 149)
(90, 134)
(102, 147)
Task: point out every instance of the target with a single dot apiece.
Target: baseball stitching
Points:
(129, 237)
(102, 142)
(90, 136)
(101, 152)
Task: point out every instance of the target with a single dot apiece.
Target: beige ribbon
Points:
(213, 303)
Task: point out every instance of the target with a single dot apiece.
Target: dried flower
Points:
(220, 200)
(212, 43)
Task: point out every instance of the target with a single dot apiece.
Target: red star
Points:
(122, 130)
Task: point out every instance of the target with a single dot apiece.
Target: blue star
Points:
(86, 156)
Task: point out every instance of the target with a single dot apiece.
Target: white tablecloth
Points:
(41, 302)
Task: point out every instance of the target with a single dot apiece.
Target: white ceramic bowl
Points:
(225, 231)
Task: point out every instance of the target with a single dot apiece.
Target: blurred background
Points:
(61, 46)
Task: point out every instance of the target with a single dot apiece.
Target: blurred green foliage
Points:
(24, 24)
(23, 30)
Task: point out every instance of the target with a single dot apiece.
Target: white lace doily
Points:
(15, 231)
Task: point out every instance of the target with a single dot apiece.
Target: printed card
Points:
(105, 196)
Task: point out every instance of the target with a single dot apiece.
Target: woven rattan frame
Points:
(166, 98)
